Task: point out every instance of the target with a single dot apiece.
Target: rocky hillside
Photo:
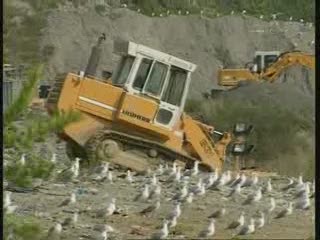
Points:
(209, 43)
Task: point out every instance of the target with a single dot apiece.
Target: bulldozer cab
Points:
(156, 76)
(263, 59)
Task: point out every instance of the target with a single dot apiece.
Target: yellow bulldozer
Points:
(267, 66)
(136, 114)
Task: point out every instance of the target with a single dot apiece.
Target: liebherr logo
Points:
(134, 115)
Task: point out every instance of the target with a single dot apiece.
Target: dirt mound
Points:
(229, 40)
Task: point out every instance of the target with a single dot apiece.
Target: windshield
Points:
(174, 91)
(123, 71)
(156, 80)
(142, 74)
(269, 59)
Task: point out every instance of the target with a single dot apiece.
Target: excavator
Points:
(135, 114)
(267, 66)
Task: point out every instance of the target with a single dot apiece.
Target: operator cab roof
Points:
(122, 47)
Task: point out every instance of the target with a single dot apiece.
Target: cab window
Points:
(156, 80)
(142, 74)
(122, 74)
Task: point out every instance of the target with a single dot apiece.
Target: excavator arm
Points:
(286, 60)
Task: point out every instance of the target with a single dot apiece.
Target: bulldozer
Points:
(266, 67)
(134, 115)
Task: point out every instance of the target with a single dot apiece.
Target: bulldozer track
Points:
(139, 143)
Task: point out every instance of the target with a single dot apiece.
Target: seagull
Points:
(163, 233)
(124, 5)
(187, 12)
(274, 16)
(54, 231)
(240, 181)
(7, 199)
(209, 232)
(194, 171)
(304, 192)
(261, 16)
(252, 181)
(211, 179)
(301, 20)
(110, 178)
(103, 227)
(219, 213)
(291, 184)
(291, 18)
(189, 198)
(272, 205)
(138, 10)
(255, 197)
(10, 209)
(54, 158)
(154, 180)
(236, 190)
(173, 169)
(179, 12)
(71, 200)
(201, 12)
(160, 169)
(111, 207)
(300, 184)
(198, 186)
(247, 229)
(236, 180)
(237, 223)
(23, 159)
(153, 14)
(303, 204)
(176, 211)
(285, 212)
(104, 235)
(173, 222)
(160, 15)
(232, 12)
(260, 221)
(150, 209)
(144, 194)
(178, 174)
(156, 191)
(168, 12)
(182, 194)
(268, 188)
(129, 177)
(244, 12)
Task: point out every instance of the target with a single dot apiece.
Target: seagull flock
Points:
(181, 188)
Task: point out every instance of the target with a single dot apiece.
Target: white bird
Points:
(244, 12)
(285, 212)
(303, 204)
(291, 184)
(71, 200)
(168, 12)
(173, 169)
(247, 229)
(144, 194)
(182, 194)
(261, 16)
(55, 231)
(153, 14)
(291, 18)
(260, 221)
(189, 198)
(179, 12)
(237, 223)
(228, 177)
(109, 176)
(202, 191)
(160, 15)
(236, 180)
(7, 199)
(163, 233)
(150, 209)
(232, 12)
(187, 12)
(272, 205)
(173, 222)
(268, 187)
(154, 180)
(301, 20)
(178, 174)
(129, 177)
(201, 12)
(219, 213)
(300, 184)
(236, 190)
(111, 207)
(209, 231)
(218, 14)
(75, 168)
(138, 10)
(160, 169)
(210, 180)
(103, 227)
(176, 211)
(23, 159)
(104, 168)
(156, 192)
(10, 209)
(124, 5)
(251, 181)
(255, 197)
(274, 16)
(305, 191)
(54, 158)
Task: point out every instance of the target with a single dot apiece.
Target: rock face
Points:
(229, 41)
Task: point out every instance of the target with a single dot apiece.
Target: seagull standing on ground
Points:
(303, 203)
(71, 200)
(209, 231)
(268, 187)
(54, 158)
(189, 198)
(237, 223)
(247, 229)
(219, 213)
(7, 199)
(260, 220)
(55, 231)
(144, 194)
(176, 211)
(111, 207)
(23, 159)
(291, 184)
(129, 177)
(160, 169)
(235, 191)
(285, 212)
(156, 192)
(150, 209)
(255, 197)
(173, 222)
(163, 233)
(272, 205)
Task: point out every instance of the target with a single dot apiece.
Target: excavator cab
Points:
(263, 59)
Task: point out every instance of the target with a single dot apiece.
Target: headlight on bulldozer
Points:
(242, 128)
(242, 148)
